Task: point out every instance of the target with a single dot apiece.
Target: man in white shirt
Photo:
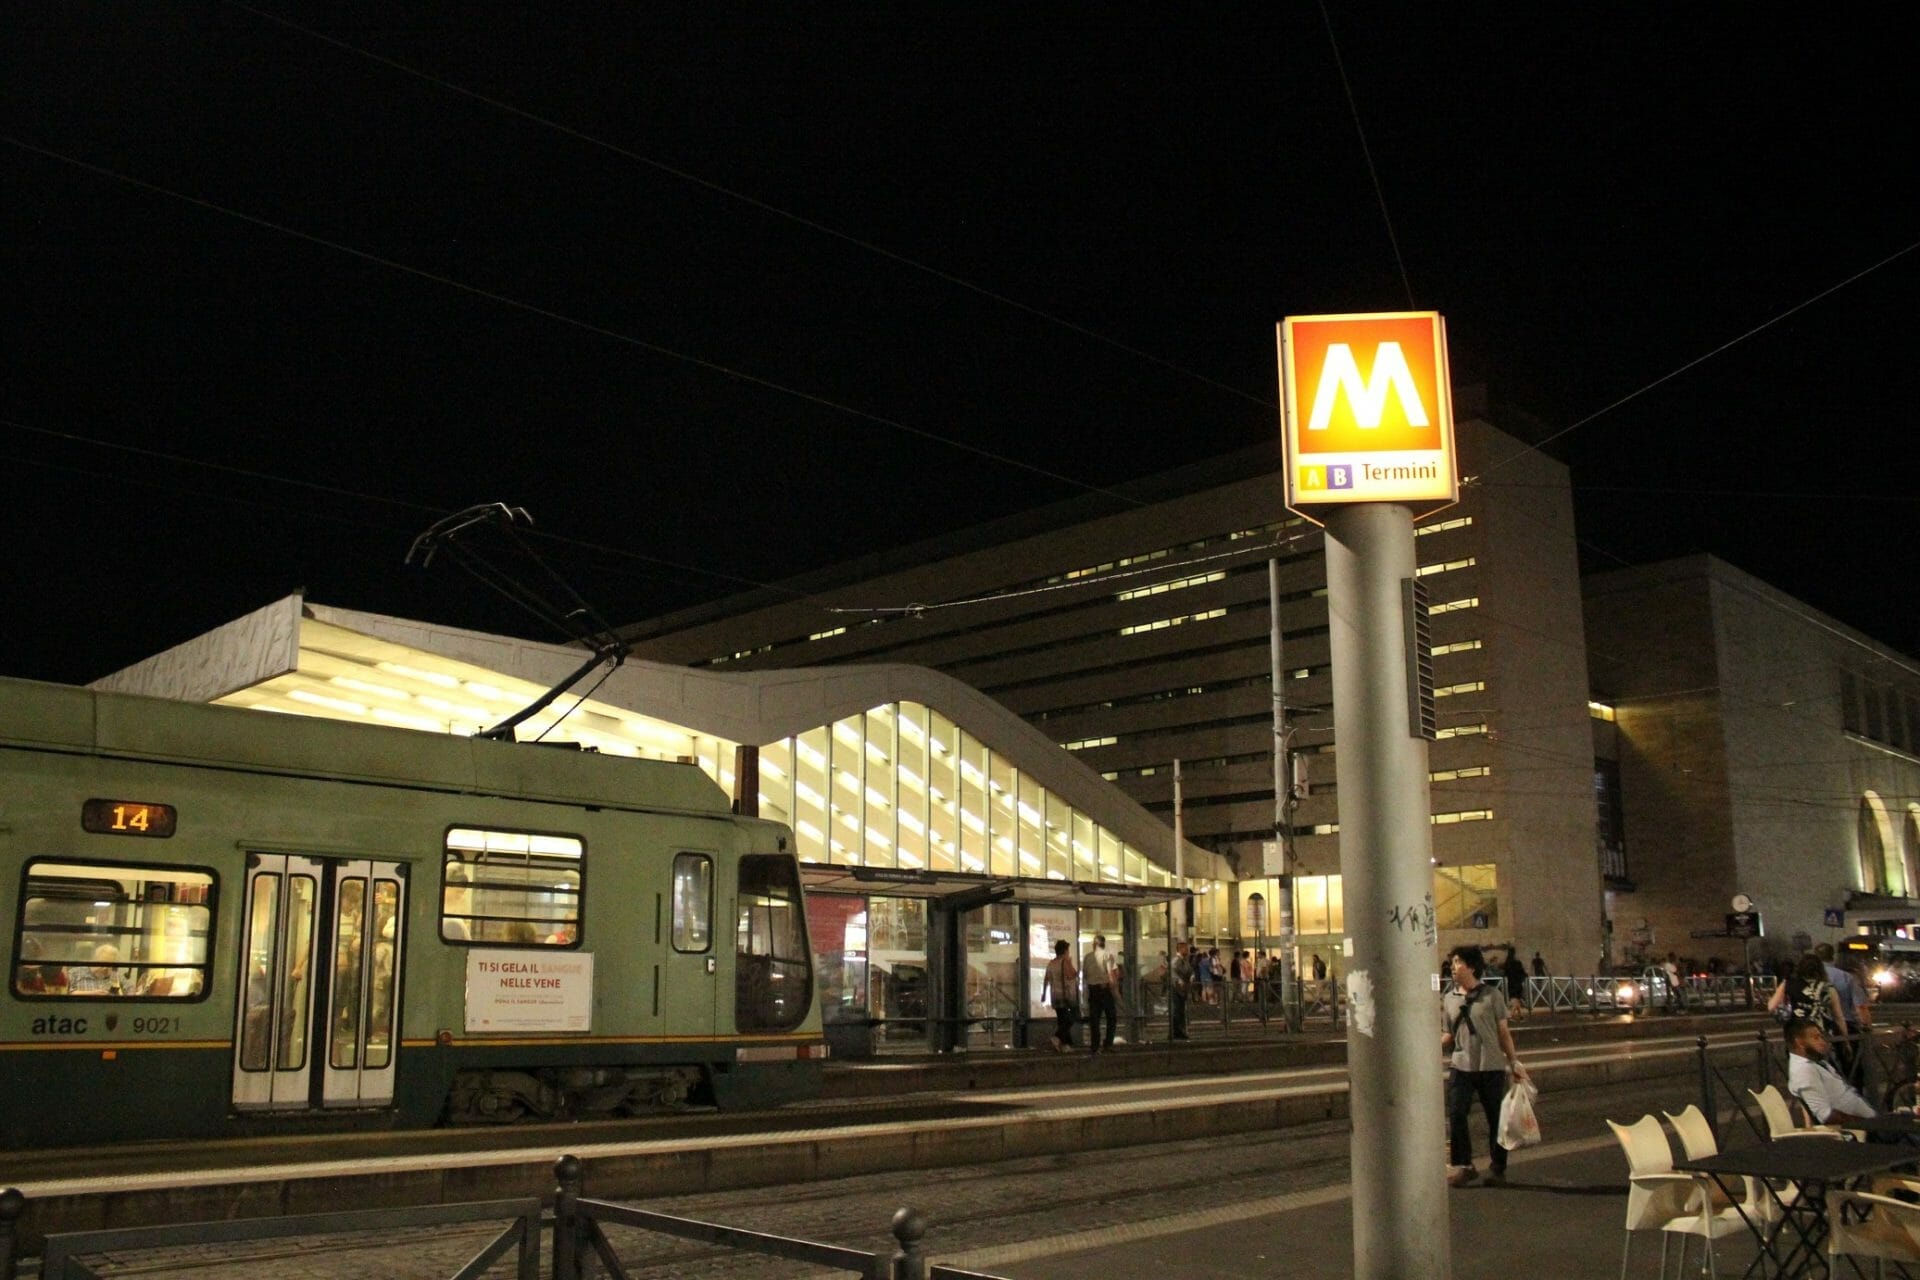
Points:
(1100, 974)
(1814, 1081)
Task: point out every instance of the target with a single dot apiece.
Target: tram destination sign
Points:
(1366, 410)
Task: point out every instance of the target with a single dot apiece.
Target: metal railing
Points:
(1889, 1063)
(61, 1256)
(578, 1234)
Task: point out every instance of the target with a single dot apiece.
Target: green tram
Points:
(227, 922)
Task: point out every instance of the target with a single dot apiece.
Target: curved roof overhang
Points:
(294, 641)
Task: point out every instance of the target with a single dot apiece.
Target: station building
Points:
(945, 842)
(1751, 746)
(1131, 629)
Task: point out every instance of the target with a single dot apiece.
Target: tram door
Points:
(318, 1023)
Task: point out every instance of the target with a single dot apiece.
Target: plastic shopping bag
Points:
(1519, 1126)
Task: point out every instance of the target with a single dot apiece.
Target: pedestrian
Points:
(1478, 1043)
(1514, 974)
(1539, 966)
(1203, 975)
(1061, 986)
(1319, 968)
(1809, 997)
(1179, 981)
(1858, 1008)
(1671, 968)
(1101, 974)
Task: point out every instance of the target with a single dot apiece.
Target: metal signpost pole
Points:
(1367, 425)
(1400, 1226)
(1282, 807)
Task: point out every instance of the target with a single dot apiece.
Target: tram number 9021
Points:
(158, 1026)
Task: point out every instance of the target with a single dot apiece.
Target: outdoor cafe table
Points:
(1812, 1165)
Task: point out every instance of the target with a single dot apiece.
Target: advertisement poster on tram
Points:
(525, 991)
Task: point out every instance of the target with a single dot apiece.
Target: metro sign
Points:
(1378, 420)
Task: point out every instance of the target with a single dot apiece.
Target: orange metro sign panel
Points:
(1366, 409)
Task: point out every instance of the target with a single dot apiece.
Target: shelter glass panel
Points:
(1045, 927)
(838, 926)
(993, 977)
(876, 792)
(897, 938)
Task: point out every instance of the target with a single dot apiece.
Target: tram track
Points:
(1059, 1120)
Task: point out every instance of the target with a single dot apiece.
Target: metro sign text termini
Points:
(1366, 410)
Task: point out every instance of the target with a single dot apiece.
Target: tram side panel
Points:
(292, 948)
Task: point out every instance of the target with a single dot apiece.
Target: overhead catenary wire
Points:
(1702, 359)
(1373, 171)
(712, 366)
(764, 206)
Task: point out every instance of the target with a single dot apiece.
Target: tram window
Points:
(692, 902)
(773, 967)
(511, 888)
(107, 931)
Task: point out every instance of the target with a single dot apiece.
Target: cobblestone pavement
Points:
(968, 1208)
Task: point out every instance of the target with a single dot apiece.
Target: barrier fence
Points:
(576, 1226)
(1886, 1075)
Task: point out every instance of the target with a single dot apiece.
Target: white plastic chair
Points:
(1780, 1121)
(1659, 1198)
(1864, 1225)
(1697, 1140)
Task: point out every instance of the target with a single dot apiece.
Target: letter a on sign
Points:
(1365, 398)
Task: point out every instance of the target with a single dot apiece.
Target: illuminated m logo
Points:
(1340, 375)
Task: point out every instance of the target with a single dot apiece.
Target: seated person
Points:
(1818, 1084)
(103, 977)
(36, 977)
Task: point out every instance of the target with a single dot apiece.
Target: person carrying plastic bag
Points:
(1519, 1124)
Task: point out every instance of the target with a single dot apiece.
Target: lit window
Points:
(1427, 570)
(1454, 606)
(1465, 686)
(1163, 623)
(828, 635)
(121, 930)
(1458, 646)
(1600, 711)
(1160, 588)
(1458, 522)
(1462, 731)
(510, 887)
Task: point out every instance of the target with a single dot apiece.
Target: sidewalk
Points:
(1561, 1216)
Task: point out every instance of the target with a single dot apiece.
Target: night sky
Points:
(720, 297)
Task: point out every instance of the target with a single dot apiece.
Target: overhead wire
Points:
(1764, 325)
(1379, 191)
(764, 206)
(659, 349)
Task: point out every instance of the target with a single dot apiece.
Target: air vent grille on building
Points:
(1421, 720)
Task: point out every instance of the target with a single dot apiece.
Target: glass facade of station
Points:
(901, 786)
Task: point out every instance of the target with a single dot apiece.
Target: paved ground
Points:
(1272, 1203)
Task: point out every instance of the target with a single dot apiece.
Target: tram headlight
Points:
(1884, 977)
(1626, 993)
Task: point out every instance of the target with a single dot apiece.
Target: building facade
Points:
(1760, 748)
(1134, 631)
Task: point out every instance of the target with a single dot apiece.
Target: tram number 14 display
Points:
(127, 818)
